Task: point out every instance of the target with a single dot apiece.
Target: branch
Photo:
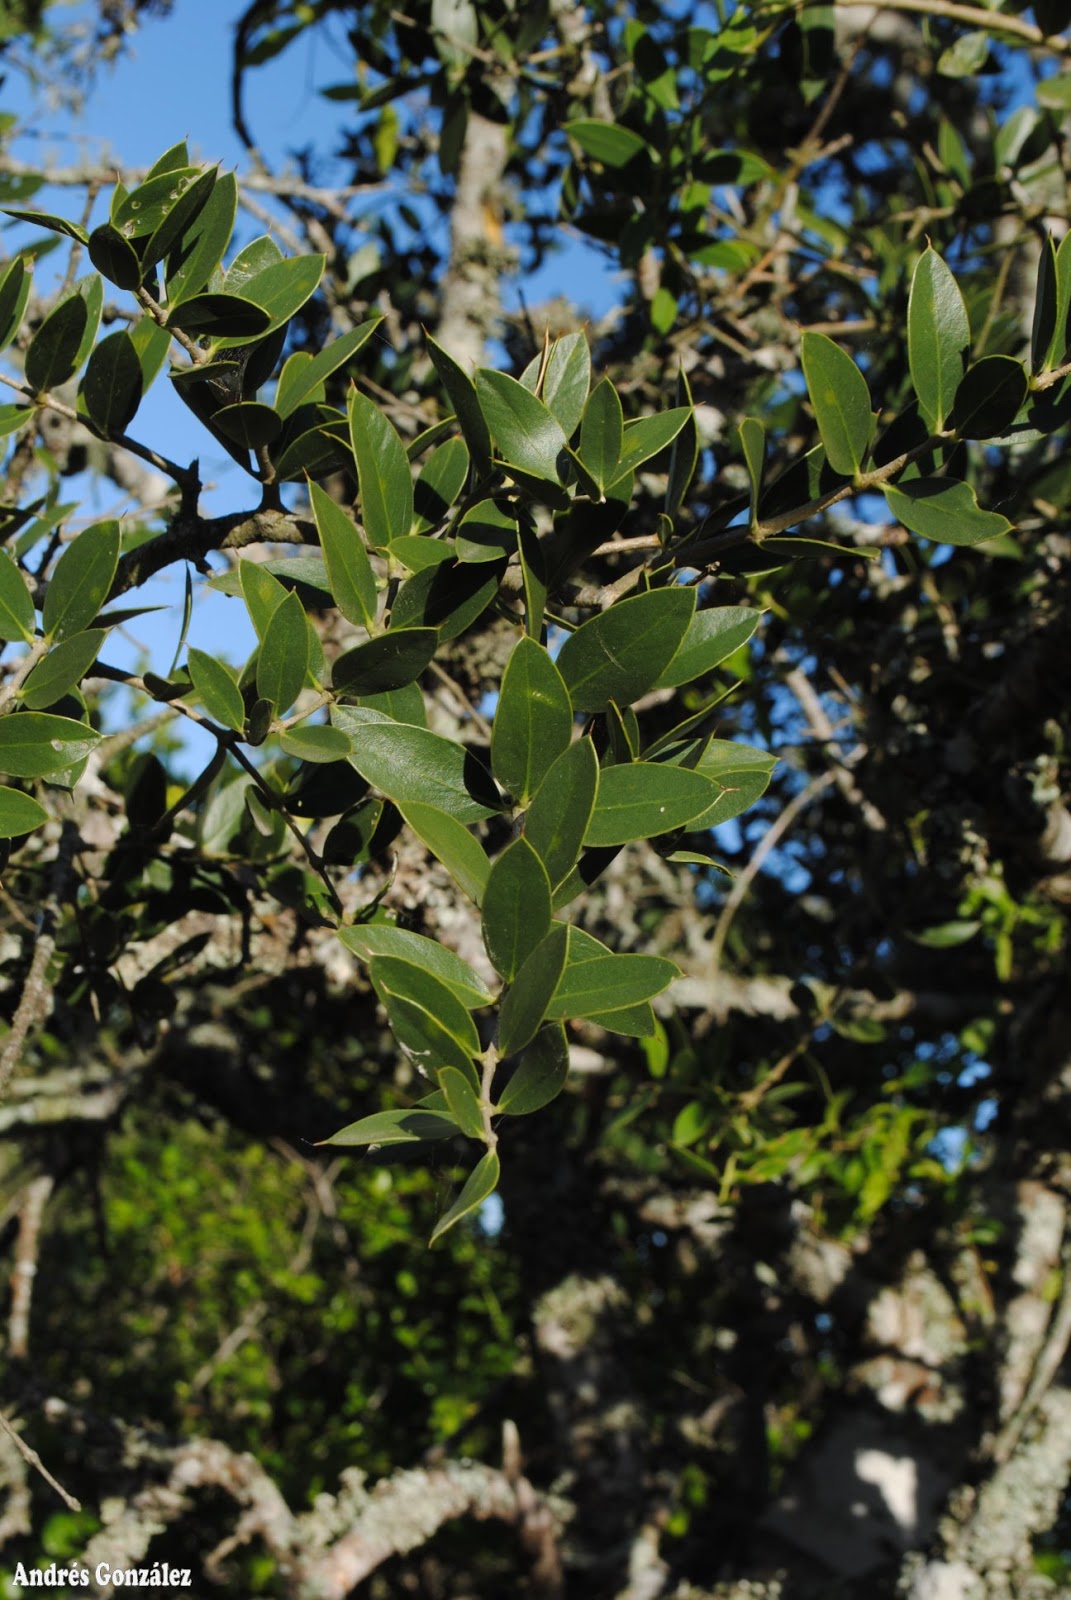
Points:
(972, 17)
(191, 538)
(38, 1465)
(37, 991)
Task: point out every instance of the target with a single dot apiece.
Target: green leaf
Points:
(53, 353)
(115, 257)
(944, 510)
(645, 798)
(1043, 329)
(462, 395)
(684, 456)
(426, 1016)
(638, 1021)
(218, 316)
(559, 815)
(567, 380)
(262, 593)
(353, 583)
(257, 256)
(283, 658)
(534, 579)
(383, 474)
(418, 552)
(410, 764)
(217, 689)
(463, 1101)
(989, 398)
(44, 219)
(450, 842)
(19, 813)
(316, 742)
(113, 383)
(1058, 353)
(14, 294)
(62, 669)
(487, 532)
(646, 436)
(527, 434)
(178, 218)
(602, 434)
(193, 260)
(965, 57)
(80, 584)
(608, 142)
(938, 337)
(533, 721)
(249, 424)
(34, 744)
(141, 212)
(540, 1075)
(388, 662)
(280, 290)
(368, 939)
(307, 378)
(399, 705)
(385, 1128)
(439, 484)
(596, 981)
(841, 402)
(152, 344)
(448, 597)
(621, 653)
(712, 636)
(945, 935)
(529, 996)
(16, 604)
(482, 1182)
(516, 907)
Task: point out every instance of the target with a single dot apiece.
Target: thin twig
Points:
(38, 1465)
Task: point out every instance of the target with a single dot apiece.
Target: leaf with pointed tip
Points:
(44, 219)
(450, 842)
(1043, 330)
(533, 720)
(609, 142)
(531, 992)
(52, 356)
(36, 744)
(481, 1184)
(385, 1128)
(16, 604)
(447, 597)
(646, 798)
(316, 743)
(462, 1100)
(516, 907)
(283, 657)
(353, 582)
(411, 764)
(841, 402)
(383, 474)
(307, 378)
(427, 1018)
(217, 689)
(944, 510)
(540, 1075)
(178, 218)
(527, 434)
(62, 669)
(112, 385)
(938, 337)
(487, 532)
(79, 586)
(441, 480)
(139, 213)
(567, 380)
(596, 981)
(368, 939)
(558, 817)
(712, 636)
(620, 654)
(194, 258)
(388, 662)
(646, 437)
(465, 401)
(602, 434)
(282, 288)
(638, 1021)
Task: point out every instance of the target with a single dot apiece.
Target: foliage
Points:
(784, 539)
